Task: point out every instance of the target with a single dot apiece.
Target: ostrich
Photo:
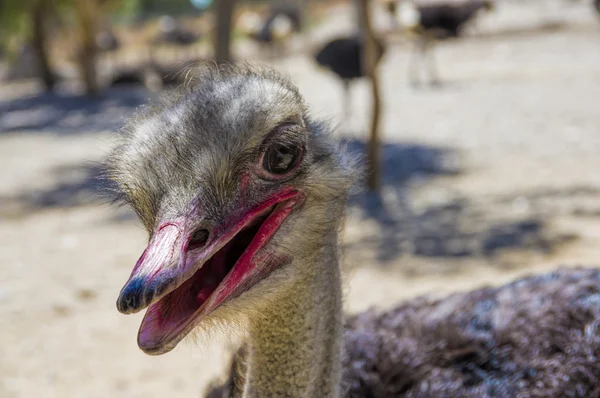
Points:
(106, 40)
(242, 194)
(430, 23)
(153, 76)
(128, 76)
(173, 35)
(171, 32)
(274, 31)
(343, 56)
(108, 45)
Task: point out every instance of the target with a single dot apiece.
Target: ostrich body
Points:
(172, 33)
(106, 40)
(108, 45)
(153, 76)
(242, 194)
(433, 22)
(343, 56)
(447, 20)
(173, 41)
(535, 337)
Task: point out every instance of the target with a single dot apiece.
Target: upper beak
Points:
(166, 264)
(156, 269)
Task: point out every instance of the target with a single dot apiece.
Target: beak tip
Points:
(131, 298)
(139, 292)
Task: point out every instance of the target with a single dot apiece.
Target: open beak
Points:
(183, 278)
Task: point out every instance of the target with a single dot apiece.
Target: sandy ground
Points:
(492, 175)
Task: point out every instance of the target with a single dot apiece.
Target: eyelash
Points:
(274, 138)
(280, 133)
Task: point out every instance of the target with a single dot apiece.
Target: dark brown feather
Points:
(535, 337)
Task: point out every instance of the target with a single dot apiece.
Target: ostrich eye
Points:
(280, 159)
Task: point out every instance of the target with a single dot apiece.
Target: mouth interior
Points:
(175, 309)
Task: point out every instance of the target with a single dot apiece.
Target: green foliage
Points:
(14, 22)
(152, 8)
(128, 9)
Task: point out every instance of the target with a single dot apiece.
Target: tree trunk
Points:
(369, 63)
(39, 18)
(222, 30)
(302, 6)
(87, 15)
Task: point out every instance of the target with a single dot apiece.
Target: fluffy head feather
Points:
(195, 141)
(200, 147)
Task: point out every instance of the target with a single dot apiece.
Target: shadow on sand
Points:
(63, 114)
(75, 185)
(454, 228)
(458, 227)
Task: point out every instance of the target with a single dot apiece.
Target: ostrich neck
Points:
(294, 347)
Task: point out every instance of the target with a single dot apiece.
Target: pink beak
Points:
(156, 269)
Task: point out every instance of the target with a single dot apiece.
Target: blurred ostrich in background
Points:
(172, 33)
(275, 30)
(243, 195)
(431, 23)
(343, 56)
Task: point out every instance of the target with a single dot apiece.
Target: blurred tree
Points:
(301, 6)
(222, 30)
(29, 19)
(88, 15)
(140, 10)
(370, 66)
(39, 15)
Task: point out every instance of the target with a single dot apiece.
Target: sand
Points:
(490, 176)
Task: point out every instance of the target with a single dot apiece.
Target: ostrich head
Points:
(233, 181)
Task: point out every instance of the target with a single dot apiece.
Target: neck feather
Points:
(294, 346)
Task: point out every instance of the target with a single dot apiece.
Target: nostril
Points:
(198, 239)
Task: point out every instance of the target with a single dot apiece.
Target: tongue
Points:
(205, 293)
(163, 319)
